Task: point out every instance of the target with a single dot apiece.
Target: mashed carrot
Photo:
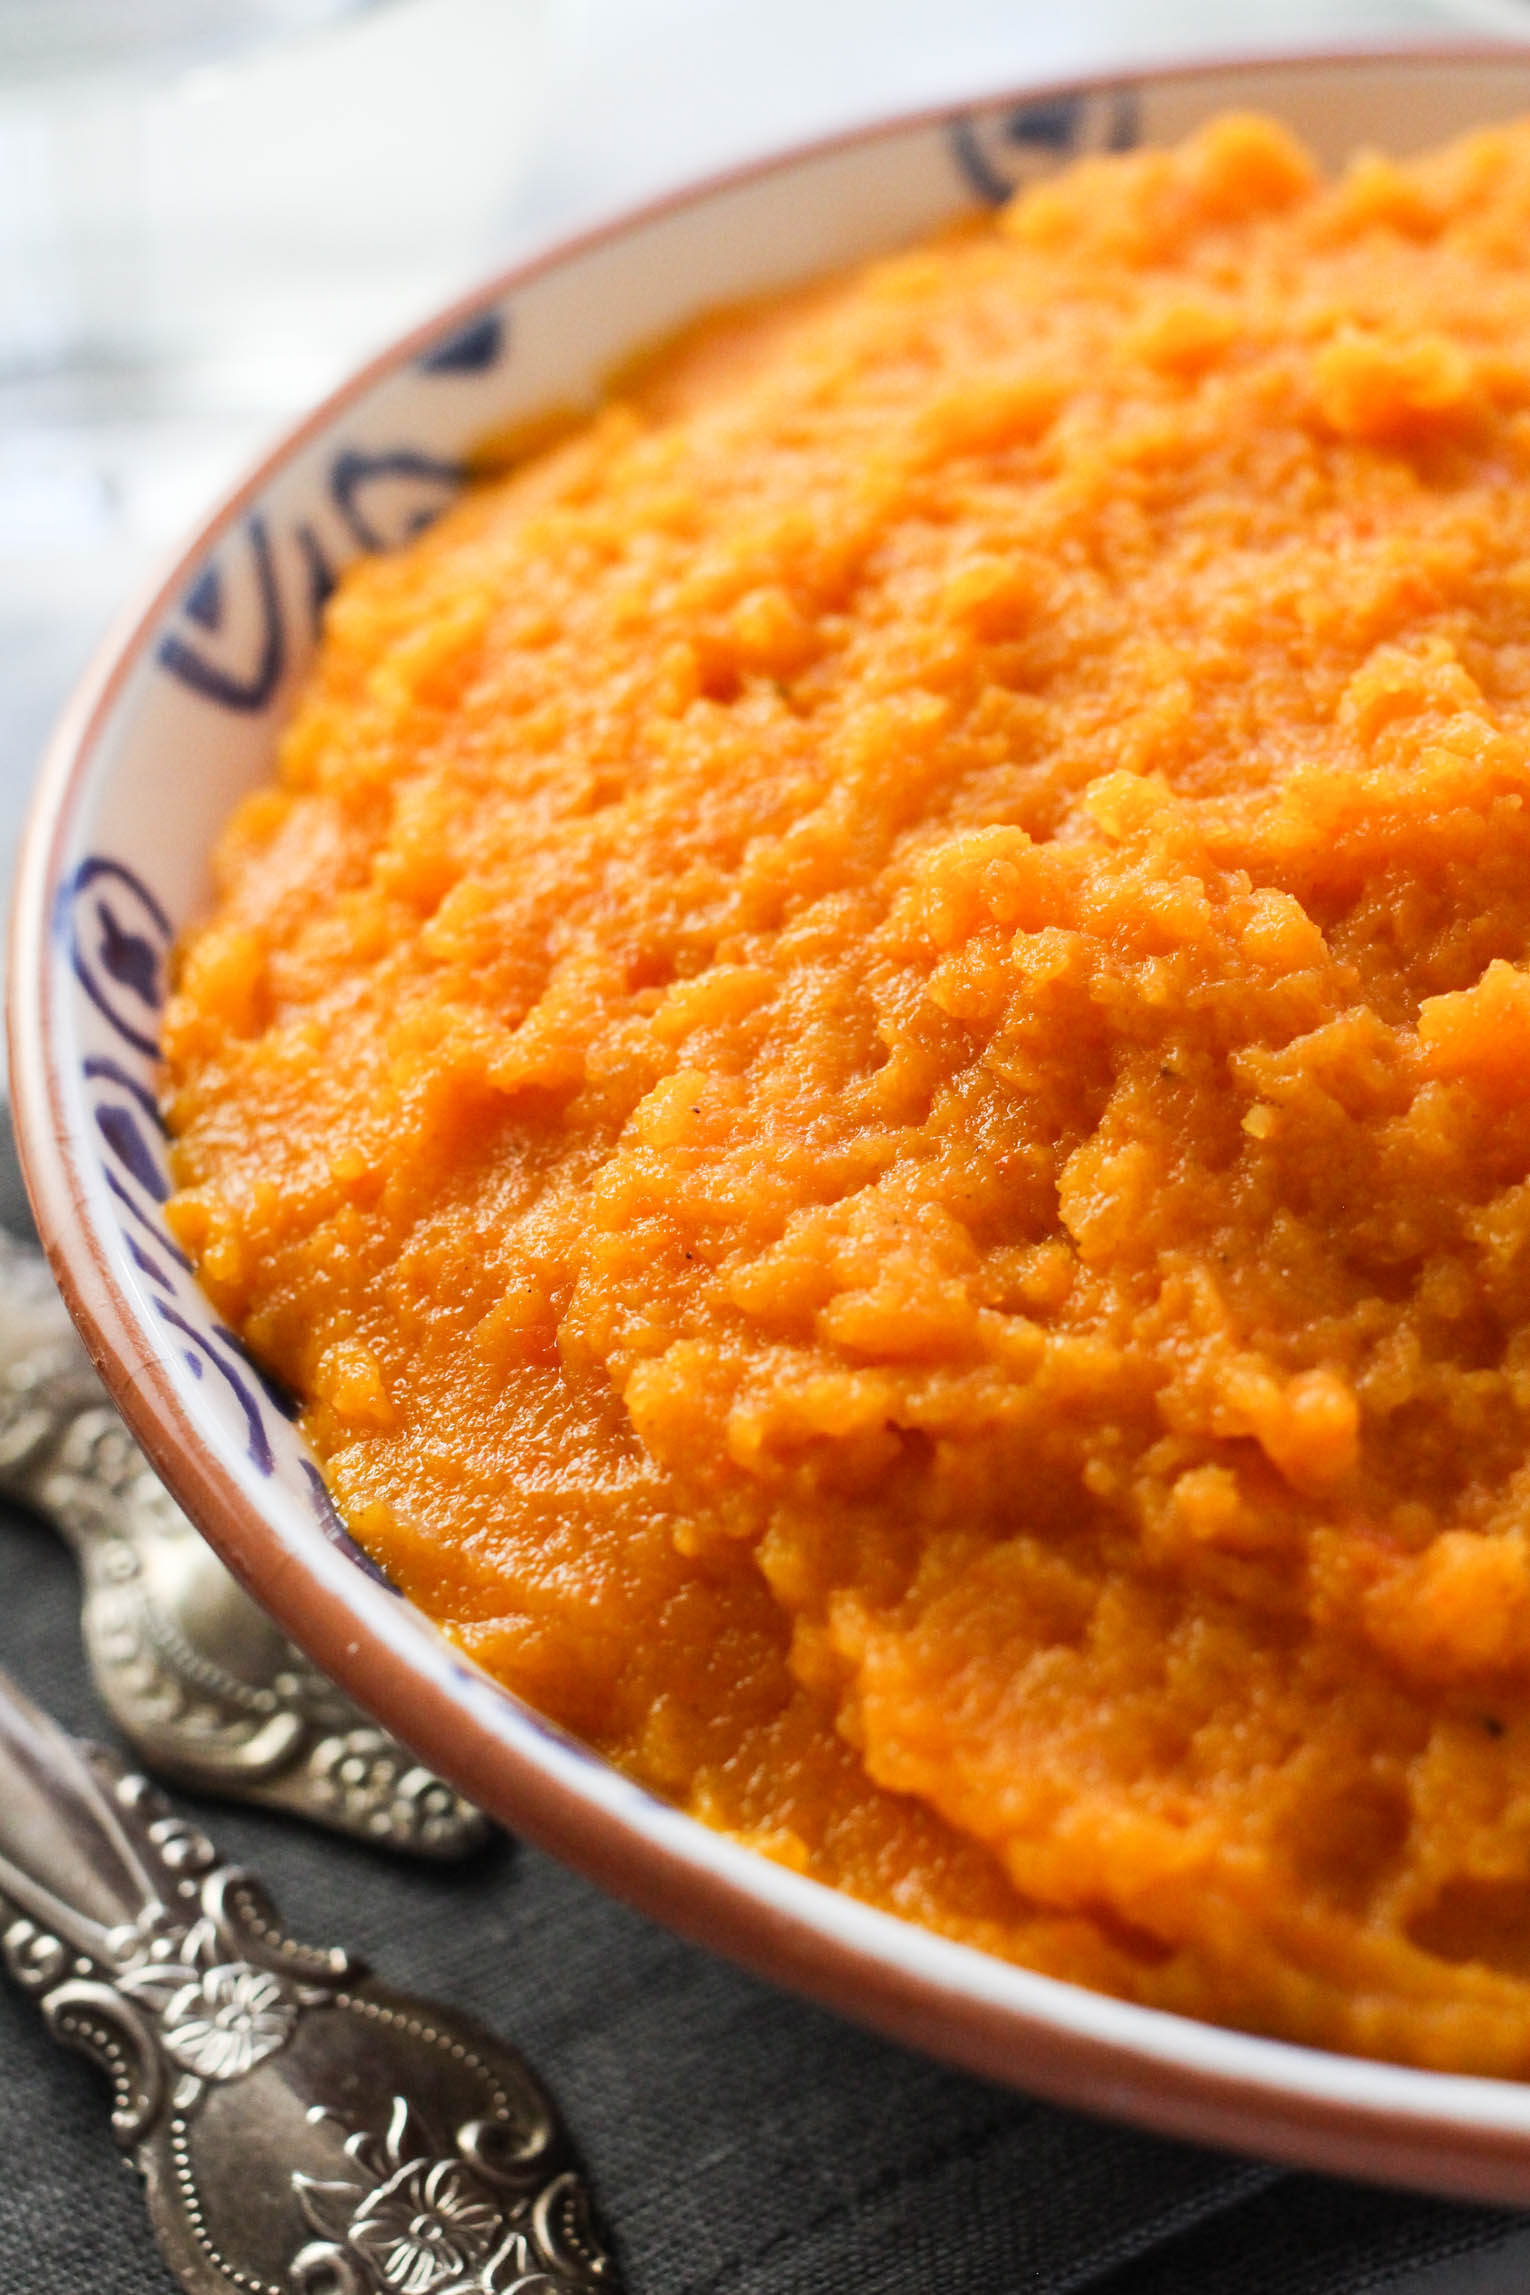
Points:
(872, 1070)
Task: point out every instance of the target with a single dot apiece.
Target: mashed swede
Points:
(872, 1070)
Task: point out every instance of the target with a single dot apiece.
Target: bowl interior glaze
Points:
(181, 716)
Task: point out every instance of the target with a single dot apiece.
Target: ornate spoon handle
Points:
(193, 1672)
(301, 2129)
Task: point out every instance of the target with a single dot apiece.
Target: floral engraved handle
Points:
(206, 1689)
(140, 1948)
(477, 2216)
(301, 2128)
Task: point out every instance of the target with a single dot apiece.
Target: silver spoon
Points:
(197, 1678)
(301, 2129)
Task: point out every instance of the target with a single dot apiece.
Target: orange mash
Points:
(871, 1066)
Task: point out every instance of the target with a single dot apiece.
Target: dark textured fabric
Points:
(1301, 2236)
(741, 2143)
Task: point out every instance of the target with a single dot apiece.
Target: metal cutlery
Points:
(301, 2128)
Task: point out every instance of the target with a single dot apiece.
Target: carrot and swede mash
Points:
(871, 1067)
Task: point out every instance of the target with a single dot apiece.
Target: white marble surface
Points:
(103, 466)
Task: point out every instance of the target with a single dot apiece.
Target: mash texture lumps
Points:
(872, 1070)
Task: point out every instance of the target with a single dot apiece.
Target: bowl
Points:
(180, 716)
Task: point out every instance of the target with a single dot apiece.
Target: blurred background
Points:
(211, 209)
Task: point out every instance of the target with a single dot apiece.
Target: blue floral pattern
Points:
(471, 349)
(378, 500)
(1000, 151)
(250, 690)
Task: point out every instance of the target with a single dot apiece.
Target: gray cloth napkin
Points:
(741, 2142)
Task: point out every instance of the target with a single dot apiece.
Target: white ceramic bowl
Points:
(180, 716)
